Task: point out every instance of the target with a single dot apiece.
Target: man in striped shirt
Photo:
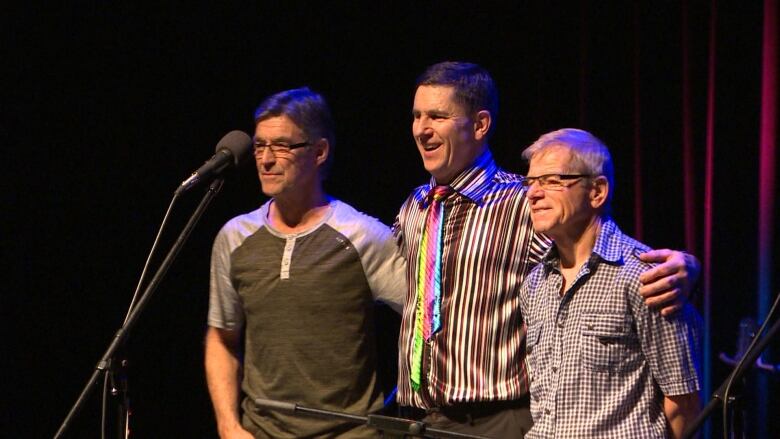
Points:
(471, 376)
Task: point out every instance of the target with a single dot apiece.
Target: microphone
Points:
(232, 150)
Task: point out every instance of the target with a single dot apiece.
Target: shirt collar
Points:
(474, 182)
(606, 247)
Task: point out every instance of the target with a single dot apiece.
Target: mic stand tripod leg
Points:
(116, 400)
(119, 391)
(132, 318)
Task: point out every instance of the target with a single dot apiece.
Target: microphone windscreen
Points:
(238, 143)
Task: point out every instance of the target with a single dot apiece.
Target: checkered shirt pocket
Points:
(605, 338)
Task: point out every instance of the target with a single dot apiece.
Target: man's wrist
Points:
(227, 426)
(693, 269)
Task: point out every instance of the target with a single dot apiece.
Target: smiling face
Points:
(448, 139)
(561, 212)
(287, 173)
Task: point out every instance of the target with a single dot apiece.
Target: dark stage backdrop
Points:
(107, 107)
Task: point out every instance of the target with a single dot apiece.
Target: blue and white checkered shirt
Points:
(600, 360)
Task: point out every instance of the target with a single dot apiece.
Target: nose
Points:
(266, 158)
(535, 192)
(421, 128)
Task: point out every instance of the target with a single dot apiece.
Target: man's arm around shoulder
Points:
(668, 285)
(223, 369)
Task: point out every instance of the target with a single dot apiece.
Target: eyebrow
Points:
(274, 140)
(440, 113)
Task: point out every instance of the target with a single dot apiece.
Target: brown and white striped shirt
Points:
(488, 247)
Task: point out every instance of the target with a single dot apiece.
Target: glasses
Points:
(277, 148)
(554, 182)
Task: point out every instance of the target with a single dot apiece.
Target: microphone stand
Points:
(105, 361)
(391, 427)
(736, 375)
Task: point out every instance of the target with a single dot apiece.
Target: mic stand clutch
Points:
(395, 428)
(122, 333)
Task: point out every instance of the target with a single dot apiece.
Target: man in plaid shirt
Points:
(602, 364)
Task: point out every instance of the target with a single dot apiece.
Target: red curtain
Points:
(702, 80)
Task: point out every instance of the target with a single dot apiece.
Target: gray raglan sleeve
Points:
(385, 266)
(224, 302)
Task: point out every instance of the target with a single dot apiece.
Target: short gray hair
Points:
(589, 155)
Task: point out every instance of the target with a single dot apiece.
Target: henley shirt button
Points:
(555, 369)
(546, 411)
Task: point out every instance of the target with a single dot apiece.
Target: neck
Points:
(575, 246)
(298, 212)
(447, 178)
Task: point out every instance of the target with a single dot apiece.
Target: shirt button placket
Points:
(287, 257)
(555, 377)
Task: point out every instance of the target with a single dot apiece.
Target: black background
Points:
(106, 108)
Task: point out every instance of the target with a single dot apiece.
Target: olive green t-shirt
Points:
(306, 304)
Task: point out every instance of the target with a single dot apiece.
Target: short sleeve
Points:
(670, 344)
(224, 302)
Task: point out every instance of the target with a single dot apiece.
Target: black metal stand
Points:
(124, 331)
(735, 376)
(395, 428)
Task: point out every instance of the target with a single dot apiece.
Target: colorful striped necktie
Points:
(428, 318)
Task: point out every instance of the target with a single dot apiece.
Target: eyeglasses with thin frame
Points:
(277, 148)
(554, 182)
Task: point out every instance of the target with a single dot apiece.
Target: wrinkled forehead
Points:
(277, 127)
(436, 97)
(551, 159)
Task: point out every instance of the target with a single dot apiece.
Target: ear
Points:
(482, 121)
(321, 151)
(599, 192)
